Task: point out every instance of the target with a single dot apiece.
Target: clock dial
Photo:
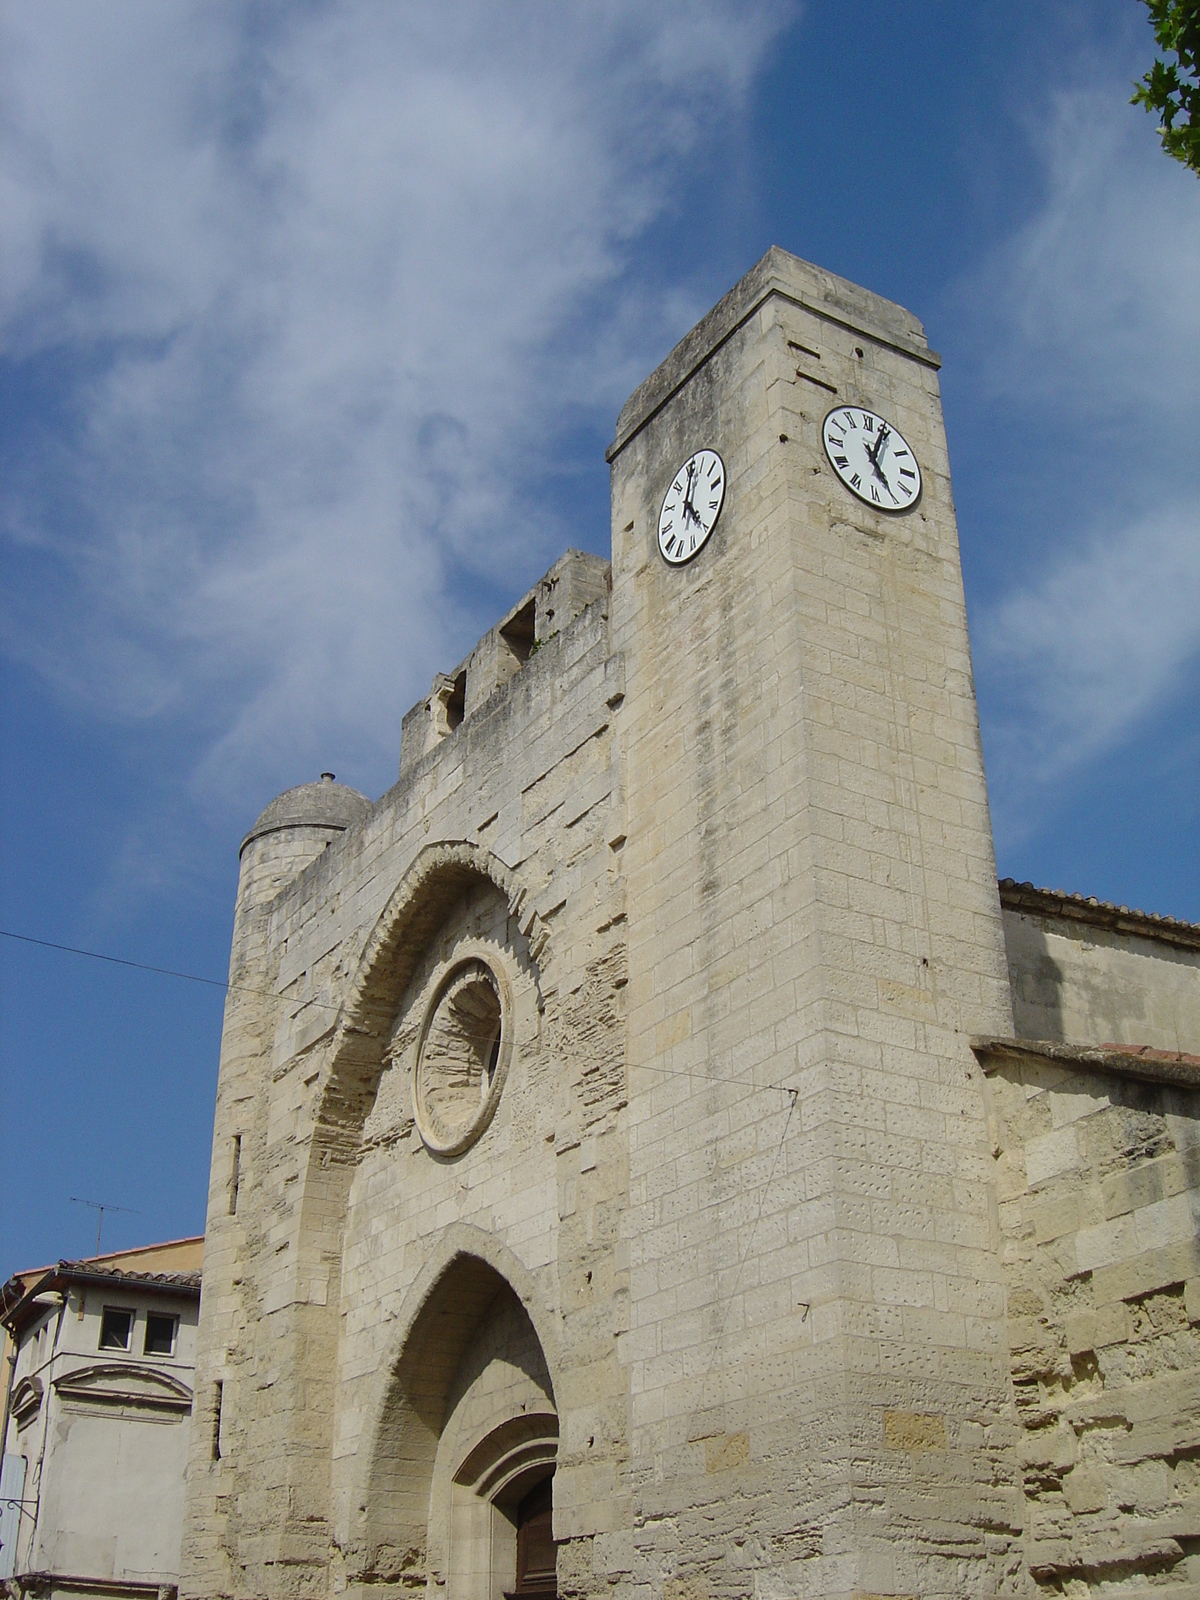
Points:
(691, 507)
(872, 458)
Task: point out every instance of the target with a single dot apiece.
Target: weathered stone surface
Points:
(735, 1245)
(1106, 1353)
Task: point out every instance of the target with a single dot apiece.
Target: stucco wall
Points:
(107, 1447)
(1075, 981)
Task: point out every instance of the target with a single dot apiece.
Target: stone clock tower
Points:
(816, 1343)
(601, 1198)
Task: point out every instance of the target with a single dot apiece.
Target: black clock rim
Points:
(699, 550)
(703, 545)
(884, 511)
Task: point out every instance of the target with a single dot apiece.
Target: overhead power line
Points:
(323, 1005)
(116, 961)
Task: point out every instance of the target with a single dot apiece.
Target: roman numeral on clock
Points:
(683, 526)
(870, 447)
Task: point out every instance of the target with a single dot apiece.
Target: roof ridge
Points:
(1102, 913)
(141, 1249)
(1136, 1061)
(167, 1275)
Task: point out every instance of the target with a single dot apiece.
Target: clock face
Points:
(691, 507)
(872, 458)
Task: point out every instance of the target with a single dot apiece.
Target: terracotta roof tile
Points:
(1147, 1052)
(94, 1269)
(1027, 897)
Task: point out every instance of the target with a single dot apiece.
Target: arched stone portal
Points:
(464, 1449)
(441, 879)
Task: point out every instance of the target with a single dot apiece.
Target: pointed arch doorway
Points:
(463, 1460)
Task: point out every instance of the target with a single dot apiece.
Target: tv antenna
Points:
(101, 1207)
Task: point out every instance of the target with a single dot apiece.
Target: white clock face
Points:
(872, 458)
(691, 507)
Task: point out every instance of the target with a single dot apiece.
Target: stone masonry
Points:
(631, 1099)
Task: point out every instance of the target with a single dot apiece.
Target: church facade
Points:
(652, 1155)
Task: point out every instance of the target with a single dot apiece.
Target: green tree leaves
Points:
(1171, 90)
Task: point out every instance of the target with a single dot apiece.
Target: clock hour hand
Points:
(873, 455)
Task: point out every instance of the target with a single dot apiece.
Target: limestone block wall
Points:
(238, 1376)
(1096, 974)
(574, 582)
(506, 835)
(816, 1346)
(1099, 1209)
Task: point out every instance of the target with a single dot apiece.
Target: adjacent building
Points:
(99, 1392)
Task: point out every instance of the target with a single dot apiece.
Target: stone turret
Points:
(291, 832)
(287, 837)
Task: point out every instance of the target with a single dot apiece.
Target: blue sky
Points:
(315, 323)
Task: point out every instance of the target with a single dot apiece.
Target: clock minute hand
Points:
(689, 509)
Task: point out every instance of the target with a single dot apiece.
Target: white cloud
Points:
(1092, 646)
(313, 280)
(1095, 298)
(1091, 317)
